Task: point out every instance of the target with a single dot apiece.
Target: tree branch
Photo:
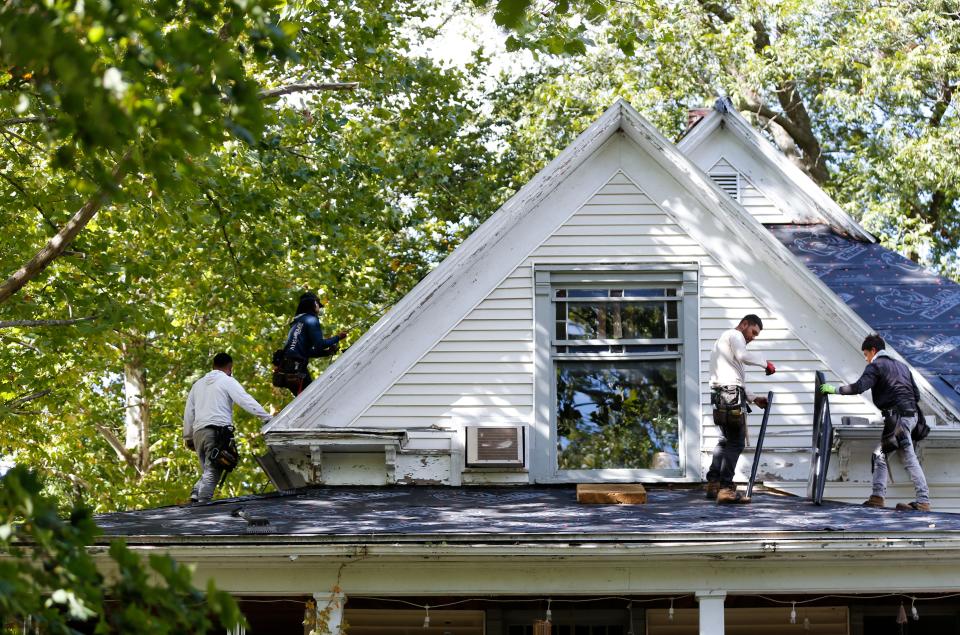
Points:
(12, 323)
(306, 88)
(13, 403)
(114, 442)
(18, 120)
(20, 342)
(56, 245)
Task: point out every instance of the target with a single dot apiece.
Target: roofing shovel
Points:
(759, 447)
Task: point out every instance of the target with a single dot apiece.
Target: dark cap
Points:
(310, 296)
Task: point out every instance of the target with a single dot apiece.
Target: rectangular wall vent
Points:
(494, 445)
(729, 183)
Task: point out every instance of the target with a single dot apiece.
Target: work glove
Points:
(771, 369)
(761, 401)
(342, 335)
(827, 389)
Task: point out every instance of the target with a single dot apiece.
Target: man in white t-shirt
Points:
(729, 397)
(209, 409)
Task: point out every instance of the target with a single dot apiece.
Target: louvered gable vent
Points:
(729, 183)
(494, 445)
(727, 177)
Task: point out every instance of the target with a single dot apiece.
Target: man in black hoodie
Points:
(896, 395)
(304, 341)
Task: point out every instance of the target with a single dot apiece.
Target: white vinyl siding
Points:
(751, 198)
(482, 369)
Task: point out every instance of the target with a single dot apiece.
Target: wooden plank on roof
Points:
(610, 494)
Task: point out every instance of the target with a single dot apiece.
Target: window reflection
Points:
(616, 414)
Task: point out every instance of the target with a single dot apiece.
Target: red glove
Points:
(342, 335)
(771, 369)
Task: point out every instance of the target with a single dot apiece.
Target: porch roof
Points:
(411, 514)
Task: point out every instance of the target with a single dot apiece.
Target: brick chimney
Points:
(694, 115)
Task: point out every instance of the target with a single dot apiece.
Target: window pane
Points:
(645, 293)
(616, 414)
(615, 320)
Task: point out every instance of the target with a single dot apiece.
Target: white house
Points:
(567, 341)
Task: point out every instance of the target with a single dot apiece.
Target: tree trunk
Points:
(137, 410)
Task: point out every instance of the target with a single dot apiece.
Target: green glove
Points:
(827, 389)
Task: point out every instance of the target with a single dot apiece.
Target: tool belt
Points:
(225, 454)
(729, 405)
(895, 434)
(288, 371)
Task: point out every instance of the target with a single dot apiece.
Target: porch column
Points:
(711, 612)
(329, 612)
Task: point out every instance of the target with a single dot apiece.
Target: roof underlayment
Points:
(916, 312)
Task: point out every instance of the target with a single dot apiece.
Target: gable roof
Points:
(881, 287)
(749, 252)
(813, 197)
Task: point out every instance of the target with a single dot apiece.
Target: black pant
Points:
(733, 439)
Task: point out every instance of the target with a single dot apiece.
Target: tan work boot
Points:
(710, 490)
(913, 507)
(874, 501)
(730, 496)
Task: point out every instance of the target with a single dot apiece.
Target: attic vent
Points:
(494, 445)
(729, 183)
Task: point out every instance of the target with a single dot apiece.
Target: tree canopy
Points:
(205, 245)
(861, 95)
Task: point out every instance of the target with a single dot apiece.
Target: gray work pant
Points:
(205, 440)
(910, 461)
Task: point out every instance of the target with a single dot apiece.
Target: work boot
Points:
(874, 501)
(913, 506)
(711, 489)
(730, 496)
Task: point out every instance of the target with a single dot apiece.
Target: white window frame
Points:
(543, 435)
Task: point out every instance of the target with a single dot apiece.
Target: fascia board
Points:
(765, 565)
(334, 395)
(770, 261)
(755, 143)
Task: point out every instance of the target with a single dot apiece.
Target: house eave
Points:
(570, 547)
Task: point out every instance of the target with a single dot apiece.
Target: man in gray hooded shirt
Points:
(210, 406)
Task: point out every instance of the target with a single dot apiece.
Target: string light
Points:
(901, 614)
(806, 623)
(793, 612)
(670, 611)
(913, 609)
(549, 615)
(426, 617)
(630, 617)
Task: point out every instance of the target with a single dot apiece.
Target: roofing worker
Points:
(896, 395)
(208, 420)
(729, 397)
(304, 341)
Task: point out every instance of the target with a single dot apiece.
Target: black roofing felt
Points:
(916, 312)
(486, 514)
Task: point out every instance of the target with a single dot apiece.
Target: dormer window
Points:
(615, 361)
(617, 357)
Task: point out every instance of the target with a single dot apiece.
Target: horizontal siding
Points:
(483, 368)
(751, 198)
